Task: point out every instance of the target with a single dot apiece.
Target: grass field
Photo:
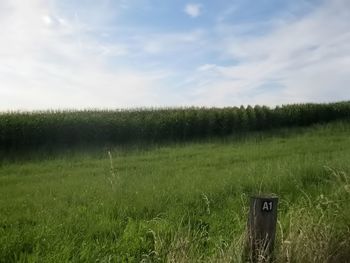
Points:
(179, 202)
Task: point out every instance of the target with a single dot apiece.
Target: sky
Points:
(79, 54)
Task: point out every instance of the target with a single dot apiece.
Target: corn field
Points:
(28, 130)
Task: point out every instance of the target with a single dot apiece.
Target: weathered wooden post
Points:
(262, 227)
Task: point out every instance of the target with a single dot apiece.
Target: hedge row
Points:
(27, 130)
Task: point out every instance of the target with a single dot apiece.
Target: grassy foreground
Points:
(180, 203)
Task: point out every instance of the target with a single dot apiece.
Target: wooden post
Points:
(262, 227)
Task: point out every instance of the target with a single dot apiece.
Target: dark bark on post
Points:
(262, 228)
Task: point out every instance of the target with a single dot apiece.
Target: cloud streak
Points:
(304, 60)
(48, 61)
(52, 56)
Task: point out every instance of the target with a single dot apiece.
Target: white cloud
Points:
(167, 42)
(193, 10)
(49, 61)
(298, 61)
(55, 59)
(206, 67)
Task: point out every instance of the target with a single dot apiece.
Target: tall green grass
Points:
(52, 129)
(180, 203)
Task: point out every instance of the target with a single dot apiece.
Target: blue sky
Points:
(66, 54)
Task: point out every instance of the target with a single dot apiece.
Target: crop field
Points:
(50, 130)
(184, 201)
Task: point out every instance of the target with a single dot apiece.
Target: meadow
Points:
(184, 201)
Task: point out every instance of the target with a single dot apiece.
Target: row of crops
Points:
(28, 130)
